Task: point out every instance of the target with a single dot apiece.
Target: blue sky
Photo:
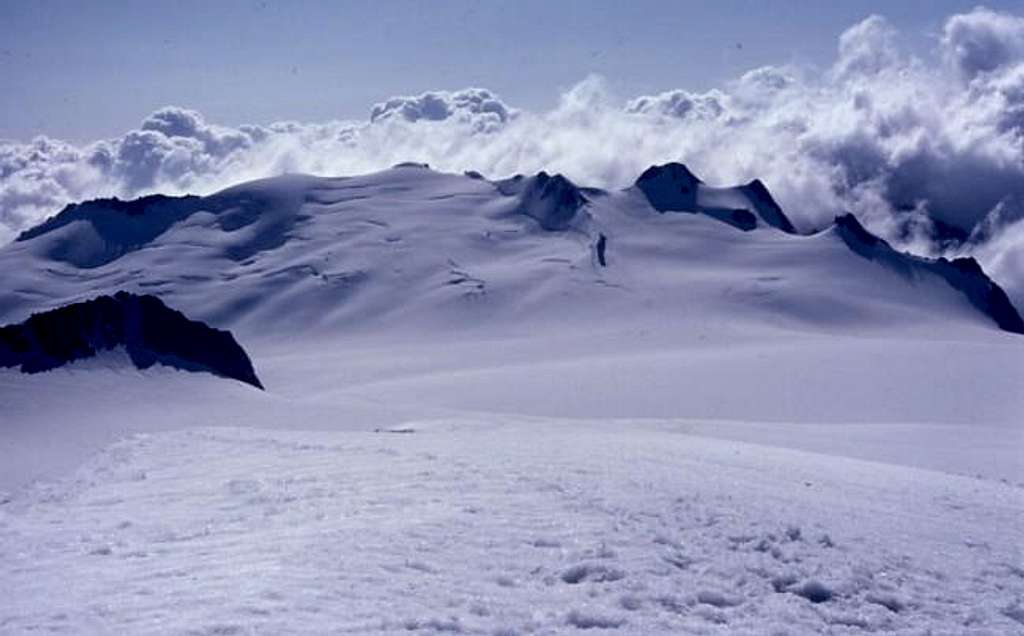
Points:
(85, 70)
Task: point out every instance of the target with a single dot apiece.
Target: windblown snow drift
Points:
(149, 331)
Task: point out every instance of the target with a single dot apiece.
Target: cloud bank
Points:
(927, 152)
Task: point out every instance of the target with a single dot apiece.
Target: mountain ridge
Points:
(148, 330)
(348, 250)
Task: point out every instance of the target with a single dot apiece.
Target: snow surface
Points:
(409, 249)
(471, 426)
(505, 525)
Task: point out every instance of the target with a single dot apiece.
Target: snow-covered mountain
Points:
(413, 248)
(508, 407)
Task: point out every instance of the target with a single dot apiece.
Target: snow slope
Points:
(410, 248)
(505, 526)
(472, 424)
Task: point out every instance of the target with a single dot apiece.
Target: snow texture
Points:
(333, 253)
(504, 526)
(629, 421)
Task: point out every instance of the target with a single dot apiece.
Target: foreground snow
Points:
(505, 525)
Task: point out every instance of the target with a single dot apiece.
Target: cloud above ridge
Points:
(924, 151)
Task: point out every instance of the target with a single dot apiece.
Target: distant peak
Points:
(670, 187)
(855, 234)
(552, 200)
(966, 275)
(766, 206)
(673, 171)
(963, 274)
(149, 206)
(967, 265)
(556, 180)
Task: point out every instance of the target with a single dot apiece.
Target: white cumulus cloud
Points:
(983, 41)
(479, 107)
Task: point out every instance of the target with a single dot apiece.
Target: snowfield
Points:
(514, 407)
(505, 526)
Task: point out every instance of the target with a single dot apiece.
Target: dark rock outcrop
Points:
(966, 275)
(670, 188)
(963, 274)
(103, 230)
(122, 226)
(552, 201)
(673, 188)
(859, 239)
(149, 331)
(738, 218)
(766, 206)
(113, 214)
